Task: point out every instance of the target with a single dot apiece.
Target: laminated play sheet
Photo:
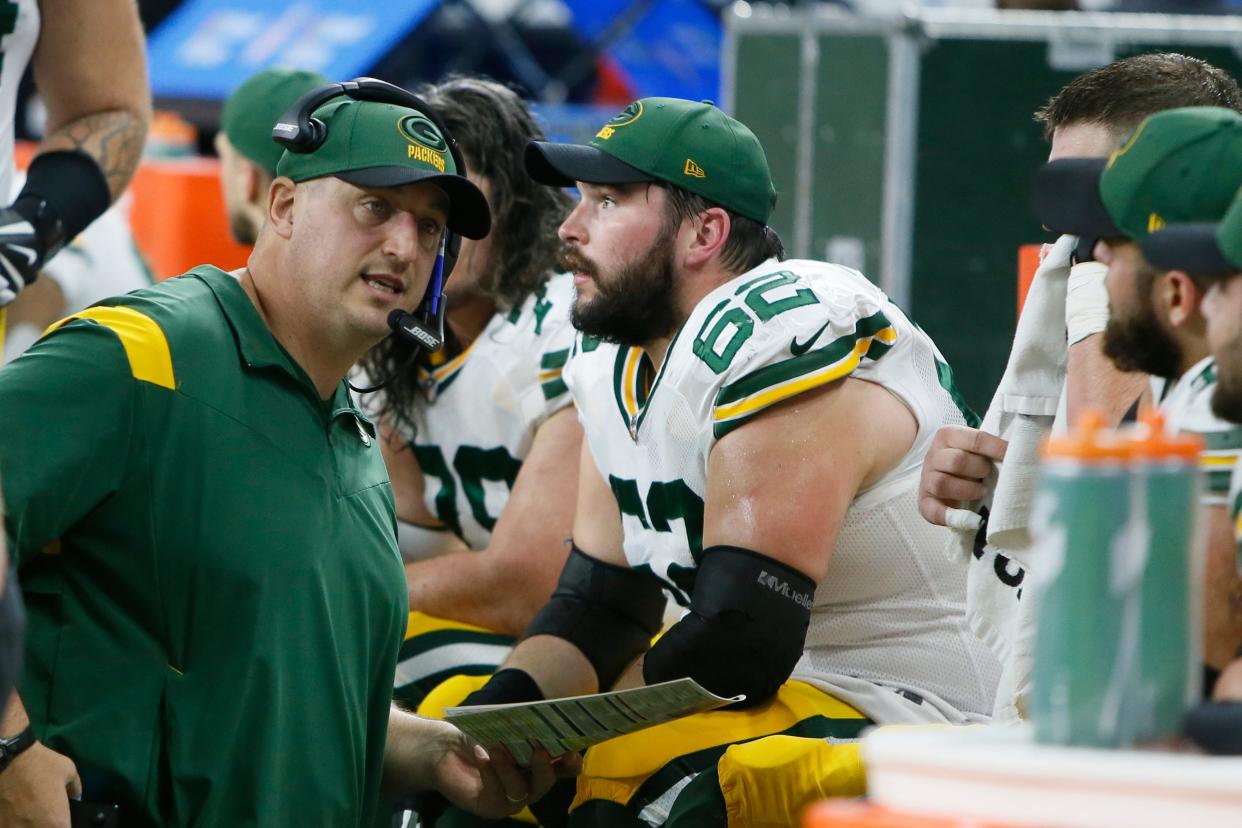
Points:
(577, 722)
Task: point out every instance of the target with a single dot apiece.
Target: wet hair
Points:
(492, 125)
(1120, 95)
(749, 244)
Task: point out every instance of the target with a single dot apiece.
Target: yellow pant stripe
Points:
(616, 769)
(421, 624)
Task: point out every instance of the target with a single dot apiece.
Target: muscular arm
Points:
(1093, 382)
(558, 667)
(782, 484)
(503, 586)
(90, 68)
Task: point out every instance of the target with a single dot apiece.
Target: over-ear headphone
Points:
(298, 131)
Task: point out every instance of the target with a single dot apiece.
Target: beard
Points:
(1227, 397)
(632, 306)
(1142, 344)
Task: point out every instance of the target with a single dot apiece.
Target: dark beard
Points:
(636, 304)
(1141, 344)
(1227, 396)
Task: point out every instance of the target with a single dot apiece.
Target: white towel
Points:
(998, 608)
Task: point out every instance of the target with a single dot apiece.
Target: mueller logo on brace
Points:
(426, 142)
(625, 117)
(802, 599)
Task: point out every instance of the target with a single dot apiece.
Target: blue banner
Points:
(207, 48)
(672, 51)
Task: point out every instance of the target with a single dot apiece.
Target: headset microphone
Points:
(425, 327)
(404, 323)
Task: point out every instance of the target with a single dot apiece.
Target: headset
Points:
(297, 131)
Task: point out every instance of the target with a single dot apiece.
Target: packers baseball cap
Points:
(1211, 249)
(1180, 165)
(693, 145)
(254, 108)
(373, 144)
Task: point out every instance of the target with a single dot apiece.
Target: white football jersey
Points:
(478, 414)
(19, 32)
(888, 631)
(1187, 406)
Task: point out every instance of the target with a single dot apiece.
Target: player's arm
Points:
(1092, 382)
(778, 489)
(503, 586)
(90, 68)
(36, 307)
(419, 534)
(600, 618)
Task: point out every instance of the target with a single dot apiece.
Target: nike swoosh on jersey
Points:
(799, 348)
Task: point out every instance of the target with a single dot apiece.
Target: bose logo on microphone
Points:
(422, 336)
(775, 584)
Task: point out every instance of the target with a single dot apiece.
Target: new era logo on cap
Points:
(667, 139)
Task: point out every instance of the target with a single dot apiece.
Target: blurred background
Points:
(899, 133)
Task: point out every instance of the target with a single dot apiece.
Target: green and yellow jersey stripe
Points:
(741, 400)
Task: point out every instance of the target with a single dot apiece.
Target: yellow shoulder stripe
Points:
(143, 339)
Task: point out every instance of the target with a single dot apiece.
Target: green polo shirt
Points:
(207, 552)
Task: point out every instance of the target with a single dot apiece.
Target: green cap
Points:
(373, 144)
(692, 145)
(1212, 249)
(1180, 165)
(254, 108)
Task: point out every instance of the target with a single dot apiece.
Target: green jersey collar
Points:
(257, 346)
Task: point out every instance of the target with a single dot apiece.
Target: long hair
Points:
(492, 125)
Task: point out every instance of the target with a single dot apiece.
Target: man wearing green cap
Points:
(754, 429)
(204, 526)
(1182, 165)
(1213, 252)
(248, 155)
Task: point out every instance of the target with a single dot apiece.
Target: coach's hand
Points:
(35, 789)
(954, 469)
(21, 254)
(488, 782)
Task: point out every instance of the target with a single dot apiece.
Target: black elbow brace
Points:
(608, 612)
(745, 630)
(65, 191)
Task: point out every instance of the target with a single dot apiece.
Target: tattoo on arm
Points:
(113, 138)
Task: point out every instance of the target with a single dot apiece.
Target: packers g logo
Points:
(625, 117)
(426, 142)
